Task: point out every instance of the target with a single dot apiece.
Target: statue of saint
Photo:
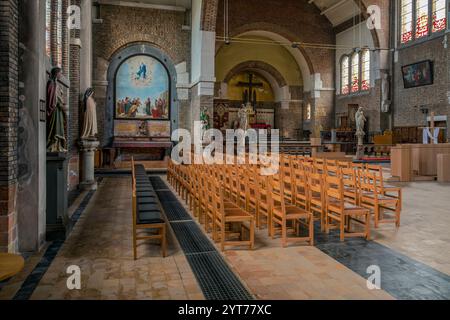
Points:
(56, 114)
(204, 118)
(90, 116)
(360, 120)
(244, 116)
(385, 102)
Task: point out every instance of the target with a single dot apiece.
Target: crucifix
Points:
(250, 94)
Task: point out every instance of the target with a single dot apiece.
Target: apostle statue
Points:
(360, 120)
(56, 114)
(90, 116)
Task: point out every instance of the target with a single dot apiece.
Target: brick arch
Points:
(210, 10)
(271, 28)
(255, 66)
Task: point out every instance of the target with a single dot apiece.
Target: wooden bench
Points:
(147, 214)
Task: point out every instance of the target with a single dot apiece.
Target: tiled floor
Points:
(101, 245)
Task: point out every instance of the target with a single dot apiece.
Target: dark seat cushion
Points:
(147, 200)
(148, 207)
(149, 217)
(145, 194)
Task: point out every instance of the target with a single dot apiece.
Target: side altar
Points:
(145, 140)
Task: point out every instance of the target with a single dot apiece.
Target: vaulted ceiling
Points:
(337, 11)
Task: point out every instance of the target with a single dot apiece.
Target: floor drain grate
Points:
(191, 238)
(158, 183)
(175, 211)
(215, 277)
(217, 280)
(166, 196)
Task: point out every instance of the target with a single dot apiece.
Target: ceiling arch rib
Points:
(337, 11)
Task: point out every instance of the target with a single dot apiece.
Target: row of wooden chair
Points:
(304, 189)
(363, 185)
(146, 210)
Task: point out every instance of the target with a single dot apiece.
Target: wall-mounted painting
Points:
(418, 74)
(142, 89)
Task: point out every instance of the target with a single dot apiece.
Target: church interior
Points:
(105, 195)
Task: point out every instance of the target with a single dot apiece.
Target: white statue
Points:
(360, 120)
(385, 102)
(244, 116)
(90, 116)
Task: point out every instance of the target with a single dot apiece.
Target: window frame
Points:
(431, 34)
(360, 73)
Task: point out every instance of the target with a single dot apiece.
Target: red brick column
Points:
(8, 123)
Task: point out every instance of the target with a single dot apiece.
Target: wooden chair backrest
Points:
(334, 191)
(276, 192)
(315, 183)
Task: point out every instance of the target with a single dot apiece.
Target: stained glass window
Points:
(365, 70)
(439, 19)
(406, 20)
(48, 39)
(355, 72)
(344, 75)
(421, 18)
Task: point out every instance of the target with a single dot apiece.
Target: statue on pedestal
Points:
(56, 114)
(385, 101)
(360, 120)
(90, 129)
(244, 116)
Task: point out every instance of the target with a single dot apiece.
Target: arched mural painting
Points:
(141, 93)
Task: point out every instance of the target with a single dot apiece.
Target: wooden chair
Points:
(264, 206)
(370, 197)
(224, 216)
(316, 197)
(284, 213)
(351, 188)
(300, 184)
(337, 209)
(385, 189)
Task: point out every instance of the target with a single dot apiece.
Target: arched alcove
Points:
(162, 63)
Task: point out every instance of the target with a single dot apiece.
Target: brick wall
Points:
(8, 123)
(407, 102)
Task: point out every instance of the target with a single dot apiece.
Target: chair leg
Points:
(252, 234)
(134, 244)
(342, 228)
(376, 215)
(311, 229)
(397, 215)
(164, 241)
(368, 225)
(284, 233)
(222, 240)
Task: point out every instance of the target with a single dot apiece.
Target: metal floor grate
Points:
(166, 196)
(175, 211)
(191, 238)
(158, 183)
(217, 280)
(215, 277)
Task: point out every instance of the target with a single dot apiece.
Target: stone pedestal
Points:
(57, 195)
(360, 146)
(88, 148)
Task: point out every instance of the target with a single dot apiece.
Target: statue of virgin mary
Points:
(90, 116)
